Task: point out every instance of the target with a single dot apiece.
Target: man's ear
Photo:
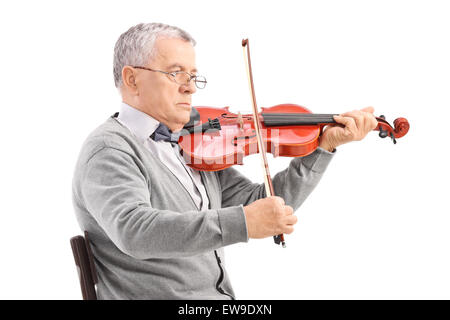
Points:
(129, 80)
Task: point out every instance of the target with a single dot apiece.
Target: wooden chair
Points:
(84, 261)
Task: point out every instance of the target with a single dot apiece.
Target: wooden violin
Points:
(218, 139)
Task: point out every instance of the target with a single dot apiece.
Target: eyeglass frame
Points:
(174, 73)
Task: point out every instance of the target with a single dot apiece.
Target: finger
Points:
(371, 122)
(348, 113)
(348, 122)
(368, 109)
(288, 210)
(356, 112)
(365, 121)
(359, 120)
(279, 199)
(288, 229)
(358, 116)
(290, 220)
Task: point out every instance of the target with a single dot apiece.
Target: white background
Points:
(376, 227)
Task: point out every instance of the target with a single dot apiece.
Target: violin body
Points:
(288, 130)
(220, 149)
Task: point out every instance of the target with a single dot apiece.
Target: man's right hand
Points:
(269, 217)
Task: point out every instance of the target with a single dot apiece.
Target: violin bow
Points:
(262, 150)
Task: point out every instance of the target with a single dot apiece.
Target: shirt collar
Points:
(140, 124)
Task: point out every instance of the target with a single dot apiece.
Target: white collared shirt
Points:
(142, 126)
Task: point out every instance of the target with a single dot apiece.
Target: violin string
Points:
(304, 118)
(280, 119)
(298, 114)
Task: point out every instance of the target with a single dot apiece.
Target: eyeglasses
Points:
(182, 77)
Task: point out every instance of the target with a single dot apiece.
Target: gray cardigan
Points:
(148, 238)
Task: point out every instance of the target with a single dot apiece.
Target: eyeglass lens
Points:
(184, 78)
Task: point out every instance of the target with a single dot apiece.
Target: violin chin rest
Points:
(194, 118)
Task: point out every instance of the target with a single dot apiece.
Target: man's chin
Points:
(180, 124)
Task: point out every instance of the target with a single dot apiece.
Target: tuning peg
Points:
(393, 138)
(383, 133)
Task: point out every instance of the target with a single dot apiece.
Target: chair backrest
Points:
(84, 261)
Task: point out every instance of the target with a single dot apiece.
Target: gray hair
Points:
(136, 46)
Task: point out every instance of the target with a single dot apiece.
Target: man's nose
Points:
(189, 88)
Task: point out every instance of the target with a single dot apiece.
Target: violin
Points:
(215, 139)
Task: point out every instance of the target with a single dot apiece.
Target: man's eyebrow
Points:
(177, 65)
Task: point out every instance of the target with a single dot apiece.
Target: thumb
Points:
(341, 120)
(280, 200)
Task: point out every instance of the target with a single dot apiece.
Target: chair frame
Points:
(84, 261)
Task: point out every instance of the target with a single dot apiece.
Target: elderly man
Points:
(158, 227)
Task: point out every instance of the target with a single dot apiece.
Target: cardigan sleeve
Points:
(116, 193)
(293, 184)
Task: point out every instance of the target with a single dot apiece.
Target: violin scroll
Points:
(401, 127)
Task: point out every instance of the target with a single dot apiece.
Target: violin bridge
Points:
(275, 149)
(240, 121)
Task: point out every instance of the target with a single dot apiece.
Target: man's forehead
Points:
(175, 53)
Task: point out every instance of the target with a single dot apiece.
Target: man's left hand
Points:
(351, 126)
